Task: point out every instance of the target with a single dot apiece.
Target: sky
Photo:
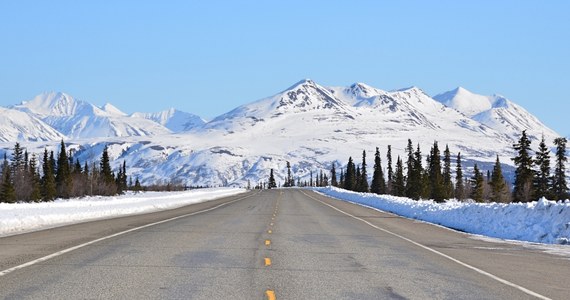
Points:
(208, 57)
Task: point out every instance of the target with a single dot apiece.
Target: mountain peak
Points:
(50, 104)
(111, 109)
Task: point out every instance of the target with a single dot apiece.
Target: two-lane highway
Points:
(276, 244)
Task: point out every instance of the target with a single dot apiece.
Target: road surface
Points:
(274, 244)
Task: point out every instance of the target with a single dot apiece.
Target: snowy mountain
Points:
(19, 126)
(175, 120)
(496, 112)
(308, 125)
(78, 119)
(303, 97)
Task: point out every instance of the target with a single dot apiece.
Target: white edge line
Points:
(499, 279)
(50, 256)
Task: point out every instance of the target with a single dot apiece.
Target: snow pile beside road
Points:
(541, 221)
(22, 217)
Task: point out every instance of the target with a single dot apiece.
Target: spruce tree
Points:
(289, 180)
(437, 184)
(447, 183)
(523, 190)
(341, 181)
(8, 194)
(499, 189)
(416, 183)
(542, 180)
(399, 185)
(411, 180)
(390, 171)
(559, 184)
(459, 187)
(272, 183)
(137, 187)
(350, 175)
(358, 179)
(378, 185)
(363, 187)
(48, 180)
(334, 182)
(35, 194)
(477, 185)
(105, 167)
(63, 175)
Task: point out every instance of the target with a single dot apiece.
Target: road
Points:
(274, 244)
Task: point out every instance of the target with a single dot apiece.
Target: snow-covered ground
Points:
(24, 217)
(541, 221)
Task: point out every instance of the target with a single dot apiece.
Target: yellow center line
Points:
(267, 242)
(269, 231)
(267, 262)
(270, 295)
(270, 224)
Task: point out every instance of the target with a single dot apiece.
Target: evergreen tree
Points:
(333, 175)
(477, 187)
(499, 190)
(524, 174)
(63, 175)
(378, 185)
(350, 175)
(559, 185)
(399, 185)
(414, 184)
(77, 168)
(447, 183)
(48, 181)
(18, 177)
(341, 181)
(358, 180)
(272, 183)
(35, 194)
(411, 180)
(437, 186)
(105, 167)
(542, 180)
(363, 186)
(459, 187)
(289, 181)
(8, 194)
(137, 187)
(390, 181)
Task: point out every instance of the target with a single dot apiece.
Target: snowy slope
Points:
(496, 112)
(173, 119)
(78, 119)
(19, 126)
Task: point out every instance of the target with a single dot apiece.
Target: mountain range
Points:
(309, 125)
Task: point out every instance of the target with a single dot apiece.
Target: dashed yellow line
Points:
(270, 224)
(267, 262)
(270, 295)
(267, 242)
(269, 231)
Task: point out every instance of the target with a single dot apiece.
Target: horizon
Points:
(146, 57)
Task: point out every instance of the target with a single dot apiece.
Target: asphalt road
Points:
(277, 244)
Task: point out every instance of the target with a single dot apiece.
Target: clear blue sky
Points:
(207, 57)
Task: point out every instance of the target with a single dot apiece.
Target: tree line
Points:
(533, 176)
(28, 178)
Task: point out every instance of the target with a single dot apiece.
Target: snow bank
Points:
(541, 221)
(22, 217)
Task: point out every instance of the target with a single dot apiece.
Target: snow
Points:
(25, 217)
(309, 125)
(541, 221)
